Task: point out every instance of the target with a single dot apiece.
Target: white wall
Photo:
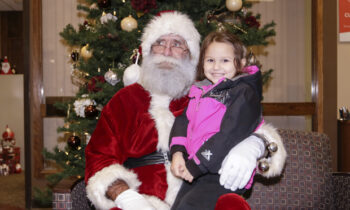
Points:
(57, 64)
(289, 54)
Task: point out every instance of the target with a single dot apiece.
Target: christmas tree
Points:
(108, 42)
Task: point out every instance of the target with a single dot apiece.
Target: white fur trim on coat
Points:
(98, 184)
(277, 159)
(174, 185)
(171, 23)
(164, 119)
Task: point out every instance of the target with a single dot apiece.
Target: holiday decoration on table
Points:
(8, 138)
(4, 169)
(6, 67)
(18, 168)
(110, 34)
(9, 153)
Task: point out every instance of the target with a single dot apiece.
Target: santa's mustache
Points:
(160, 59)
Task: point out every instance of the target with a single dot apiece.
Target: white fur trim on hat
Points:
(171, 23)
(131, 74)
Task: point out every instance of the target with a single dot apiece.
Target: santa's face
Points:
(170, 45)
(168, 70)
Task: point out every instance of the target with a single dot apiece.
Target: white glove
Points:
(132, 200)
(239, 164)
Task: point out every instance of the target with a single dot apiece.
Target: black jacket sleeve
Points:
(179, 129)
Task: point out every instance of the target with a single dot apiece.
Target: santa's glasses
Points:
(176, 46)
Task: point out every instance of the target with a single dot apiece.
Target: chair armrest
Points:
(79, 198)
(341, 190)
(70, 194)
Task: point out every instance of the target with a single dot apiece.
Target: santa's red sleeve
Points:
(106, 152)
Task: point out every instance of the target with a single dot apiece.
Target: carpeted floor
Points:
(12, 192)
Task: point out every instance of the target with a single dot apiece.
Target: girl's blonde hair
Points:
(224, 37)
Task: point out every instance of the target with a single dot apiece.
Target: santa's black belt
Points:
(150, 159)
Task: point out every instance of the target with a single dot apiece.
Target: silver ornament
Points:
(111, 77)
(263, 166)
(272, 147)
(251, 58)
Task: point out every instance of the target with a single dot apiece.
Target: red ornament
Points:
(92, 83)
(143, 5)
(74, 142)
(8, 135)
(90, 111)
(252, 22)
(104, 3)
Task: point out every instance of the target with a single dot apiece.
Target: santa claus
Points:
(127, 164)
(5, 67)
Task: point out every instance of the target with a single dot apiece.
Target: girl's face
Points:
(219, 61)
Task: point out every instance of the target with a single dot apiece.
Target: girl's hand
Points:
(178, 167)
(178, 164)
(186, 175)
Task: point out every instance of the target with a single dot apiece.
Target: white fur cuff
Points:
(277, 160)
(98, 184)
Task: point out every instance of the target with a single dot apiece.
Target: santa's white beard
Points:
(173, 80)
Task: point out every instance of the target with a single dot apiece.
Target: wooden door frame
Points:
(317, 64)
(33, 79)
(33, 22)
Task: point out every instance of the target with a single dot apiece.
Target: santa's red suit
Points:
(132, 124)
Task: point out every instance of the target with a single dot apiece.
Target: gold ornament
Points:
(78, 77)
(128, 23)
(86, 52)
(234, 5)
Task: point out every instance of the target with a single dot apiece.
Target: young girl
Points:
(224, 109)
